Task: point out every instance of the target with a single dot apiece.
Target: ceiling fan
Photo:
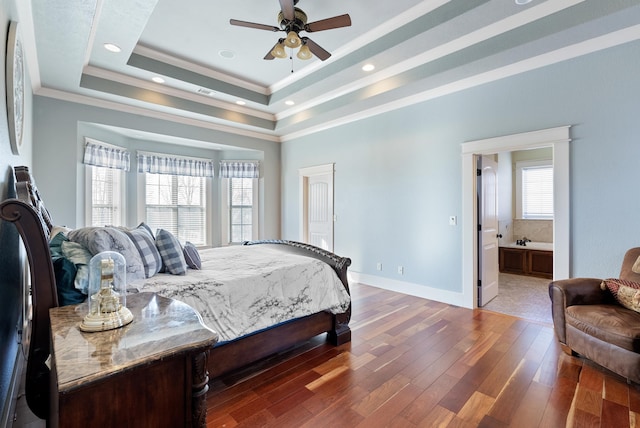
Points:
(292, 21)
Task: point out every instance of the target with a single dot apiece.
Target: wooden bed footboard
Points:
(238, 353)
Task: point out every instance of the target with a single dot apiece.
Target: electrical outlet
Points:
(379, 266)
(400, 270)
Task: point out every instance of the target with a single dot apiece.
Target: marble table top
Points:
(161, 327)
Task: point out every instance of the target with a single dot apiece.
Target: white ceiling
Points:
(421, 50)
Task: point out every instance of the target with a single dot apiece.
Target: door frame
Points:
(557, 138)
(303, 188)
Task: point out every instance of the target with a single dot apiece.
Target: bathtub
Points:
(545, 246)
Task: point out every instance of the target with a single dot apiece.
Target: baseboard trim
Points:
(413, 289)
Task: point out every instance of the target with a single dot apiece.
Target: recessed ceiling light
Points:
(111, 47)
(157, 79)
(240, 102)
(521, 2)
(368, 67)
(225, 53)
(289, 102)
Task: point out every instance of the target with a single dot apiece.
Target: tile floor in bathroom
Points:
(523, 296)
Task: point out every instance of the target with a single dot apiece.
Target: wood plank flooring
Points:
(418, 363)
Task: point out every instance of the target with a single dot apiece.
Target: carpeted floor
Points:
(523, 296)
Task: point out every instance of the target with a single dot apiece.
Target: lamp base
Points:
(106, 321)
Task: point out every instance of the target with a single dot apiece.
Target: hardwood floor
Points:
(413, 362)
(418, 363)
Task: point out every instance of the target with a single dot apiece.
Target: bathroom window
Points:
(534, 190)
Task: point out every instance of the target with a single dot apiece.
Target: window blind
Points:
(537, 192)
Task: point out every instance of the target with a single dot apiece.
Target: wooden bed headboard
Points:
(34, 225)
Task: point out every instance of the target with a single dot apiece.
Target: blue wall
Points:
(398, 174)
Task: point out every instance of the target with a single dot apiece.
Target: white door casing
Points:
(316, 220)
(557, 138)
(488, 229)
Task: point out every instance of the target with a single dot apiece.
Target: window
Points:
(240, 200)
(107, 207)
(534, 185)
(178, 204)
(240, 205)
(106, 165)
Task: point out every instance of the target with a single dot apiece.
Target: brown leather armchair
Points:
(588, 321)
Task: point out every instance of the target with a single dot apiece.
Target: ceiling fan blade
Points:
(316, 49)
(287, 9)
(269, 55)
(329, 23)
(253, 25)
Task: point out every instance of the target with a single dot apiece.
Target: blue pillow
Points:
(65, 273)
(171, 252)
(191, 256)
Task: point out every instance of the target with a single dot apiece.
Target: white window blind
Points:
(241, 209)
(537, 192)
(178, 204)
(106, 197)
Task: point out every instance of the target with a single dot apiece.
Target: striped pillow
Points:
(143, 241)
(171, 252)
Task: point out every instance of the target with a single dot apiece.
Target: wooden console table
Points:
(150, 373)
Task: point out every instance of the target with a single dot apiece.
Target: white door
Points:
(488, 230)
(317, 209)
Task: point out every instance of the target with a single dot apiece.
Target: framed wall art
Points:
(15, 87)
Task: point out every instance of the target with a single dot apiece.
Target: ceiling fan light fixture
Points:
(292, 40)
(304, 53)
(278, 51)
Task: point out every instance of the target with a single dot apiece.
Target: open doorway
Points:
(556, 138)
(518, 231)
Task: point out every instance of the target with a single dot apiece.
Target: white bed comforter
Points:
(244, 289)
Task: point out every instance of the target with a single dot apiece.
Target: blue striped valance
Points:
(105, 155)
(156, 163)
(239, 169)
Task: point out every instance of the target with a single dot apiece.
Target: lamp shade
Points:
(292, 40)
(304, 53)
(278, 51)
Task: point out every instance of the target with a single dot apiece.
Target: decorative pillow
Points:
(171, 252)
(636, 266)
(627, 293)
(191, 256)
(55, 245)
(65, 273)
(146, 227)
(98, 239)
(145, 244)
(80, 257)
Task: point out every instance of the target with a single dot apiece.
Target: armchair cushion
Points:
(609, 323)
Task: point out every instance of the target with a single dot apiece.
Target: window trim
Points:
(520, 166)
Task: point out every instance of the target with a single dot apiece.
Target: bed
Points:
(259, 334)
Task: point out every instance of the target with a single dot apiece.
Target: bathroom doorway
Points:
(556, 138)
(521, 231)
